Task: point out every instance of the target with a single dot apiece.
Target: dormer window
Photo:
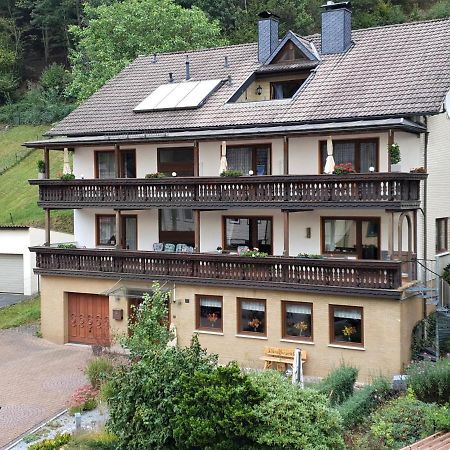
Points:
(288, 54)
(284, 89)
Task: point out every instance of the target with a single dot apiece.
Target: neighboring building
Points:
(270, 109)
(16, 260)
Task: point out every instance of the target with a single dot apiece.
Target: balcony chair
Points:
(181, 248)
(158, 247)
(169, 247)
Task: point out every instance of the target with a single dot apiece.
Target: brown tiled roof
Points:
(396, 70)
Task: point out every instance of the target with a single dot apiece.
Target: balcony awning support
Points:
(286, 233)
(117, 160)
(47, 227)
(285, 155)
(197, 229)
(47, 163)
(118, 230)
(196, 159)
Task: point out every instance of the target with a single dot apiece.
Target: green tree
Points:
(119, 32)
(9, 58)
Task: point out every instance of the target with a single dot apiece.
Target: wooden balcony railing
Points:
(377, 190)
(341, 276)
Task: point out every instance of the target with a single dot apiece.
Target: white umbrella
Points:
(66, 165)
(223, 159)
(329, 165)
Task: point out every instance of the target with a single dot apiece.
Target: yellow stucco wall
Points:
(387, 324)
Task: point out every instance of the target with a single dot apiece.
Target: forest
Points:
(56, 53)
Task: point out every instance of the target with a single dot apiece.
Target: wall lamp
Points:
(259, 90)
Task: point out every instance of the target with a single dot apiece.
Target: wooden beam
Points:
(391, 138)
(286, 233)
(196, 159)
(47, 163)
(47, 227)
(117, 159)
(285, 155)
(391, 236)
(119, 243)
(197, 229)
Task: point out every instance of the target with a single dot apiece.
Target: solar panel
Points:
(189, 94)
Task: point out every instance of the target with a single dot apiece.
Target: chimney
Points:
(336, 27)
(188, 70)
(267, 35)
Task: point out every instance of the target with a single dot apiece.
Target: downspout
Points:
(425, 227)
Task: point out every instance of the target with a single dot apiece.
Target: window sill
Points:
(217, 333)
(347, 347)
(295, 341)
(248, 336)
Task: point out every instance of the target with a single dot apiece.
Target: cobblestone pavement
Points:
(36, 379)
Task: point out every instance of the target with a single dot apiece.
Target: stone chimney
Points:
(267, 35)
(336, 27)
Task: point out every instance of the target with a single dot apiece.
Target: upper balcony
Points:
(388, 190)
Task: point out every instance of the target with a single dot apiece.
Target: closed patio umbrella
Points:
(329, 164)
(223, 159)
(66, 164)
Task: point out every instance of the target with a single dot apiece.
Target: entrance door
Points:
(88, 319)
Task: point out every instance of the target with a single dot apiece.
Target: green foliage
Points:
(150, 329)
(23, 313)
(446, 273)
(156, 175)
(119, 32)
(423, 335)
(55, 78)
(51, 444)
(394, 153)
(231, 173)
(339, 384)
(294, 418)
(254, 253)
(9, 60)
(439, 10)
(93, 441)
(215, 410)
(356, 408)
(430, 381)
(309, 256)
(99, 371)
(67, 176)
(41, 166)
(83, 399)
(67, 245)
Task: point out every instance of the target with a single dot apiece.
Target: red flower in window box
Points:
(344, 168)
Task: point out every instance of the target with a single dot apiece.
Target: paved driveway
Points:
(11, 299)
(36, 380)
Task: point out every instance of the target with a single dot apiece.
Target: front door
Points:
(88, 319)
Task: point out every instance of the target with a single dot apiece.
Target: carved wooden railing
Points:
(353, 277)
(384, 190)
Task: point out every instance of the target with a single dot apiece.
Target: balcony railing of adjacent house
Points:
(341, 276)
(378, 190)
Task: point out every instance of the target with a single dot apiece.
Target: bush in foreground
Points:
(99, 370)
(294, 418)
(339, 384)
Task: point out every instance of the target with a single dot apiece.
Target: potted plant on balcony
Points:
(231, 173)
(394, 157)
(344, 169)
(41, 169)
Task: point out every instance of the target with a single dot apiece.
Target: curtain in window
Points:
(107, 229)
(106, 165)
(211, 302)
(340, 233)
(344, 152)
(239, 159)
(368, 156)
(176, 220)
(253, 306)
(298, 309)
(277, 91)
(347, 313)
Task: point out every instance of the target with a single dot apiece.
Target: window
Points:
(176, 159)
(346, 325)
(176, 226)
(106, 230)
(253, 232)
(442, 235)
(284, 89)
(297, 320)
(209, 313)
(363, 154)
(105, 164)
(251, 316)
(246, 158)
(288, 54)
(351, 236)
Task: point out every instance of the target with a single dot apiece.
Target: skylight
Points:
(186, 95)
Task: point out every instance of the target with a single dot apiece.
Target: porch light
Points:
(371, 169)
(250, 172)
(174, 174)
(259, 90)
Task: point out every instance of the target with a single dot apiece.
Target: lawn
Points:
(18, 200)
(28, 311)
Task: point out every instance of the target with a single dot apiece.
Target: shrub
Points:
(446, 273)
(309, 256)
(360, 405)
(41, 166)
(156, 175)
(67, 176)
(430, 381)
(214, 410)
(254, 253)
(52, 444)
(339, 384)
(67, 245)
(423, 335)
(294, 418)
(394, 153)
(231, 173)
(83, 399)
(55, 78)
(99, 370)
(93, 441)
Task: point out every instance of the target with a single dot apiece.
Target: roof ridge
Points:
(403, 24)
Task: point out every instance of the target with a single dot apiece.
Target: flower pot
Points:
(41, 175)
(396, 167)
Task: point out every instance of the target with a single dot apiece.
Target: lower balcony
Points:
(333, 276)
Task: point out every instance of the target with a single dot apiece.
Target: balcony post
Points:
(117, 160)
(47, 163)
(285, 155)
(286, 233)
(118, 230)
(197, 229)
(196, 159)
(47, 227)
(391, 236)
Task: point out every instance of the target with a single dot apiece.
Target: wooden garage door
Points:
(11, 273)
(88, 319)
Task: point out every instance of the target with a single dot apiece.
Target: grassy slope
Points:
(22, 313)
(17, 197)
